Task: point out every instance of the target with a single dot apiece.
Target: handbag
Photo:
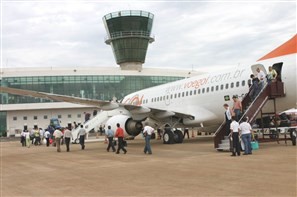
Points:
(255, 145)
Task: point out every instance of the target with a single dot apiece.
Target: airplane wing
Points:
(105, 105)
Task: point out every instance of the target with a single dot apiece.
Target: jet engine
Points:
(130, 126)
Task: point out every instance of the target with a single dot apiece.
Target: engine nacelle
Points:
(130, 126)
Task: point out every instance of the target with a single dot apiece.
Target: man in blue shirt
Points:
(110, 133)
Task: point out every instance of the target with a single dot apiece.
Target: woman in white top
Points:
(246, 136)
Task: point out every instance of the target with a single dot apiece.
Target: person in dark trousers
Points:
(82, 133)
(234, 127)
(67, 136)
(147, 132)
(227, 118)
(120, 135)
(110, 134)
(186, 131)
(23, 135)
(254, 87)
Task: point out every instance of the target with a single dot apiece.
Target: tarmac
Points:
(193, 168)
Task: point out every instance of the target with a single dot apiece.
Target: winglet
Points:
(287, 48)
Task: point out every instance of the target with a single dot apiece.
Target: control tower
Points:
(129, 33)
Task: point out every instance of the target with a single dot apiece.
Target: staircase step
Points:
(225, 141)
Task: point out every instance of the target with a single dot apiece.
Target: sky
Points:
(200, 35)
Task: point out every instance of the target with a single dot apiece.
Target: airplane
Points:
(192, 102)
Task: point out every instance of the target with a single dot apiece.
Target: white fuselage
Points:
(203, 96)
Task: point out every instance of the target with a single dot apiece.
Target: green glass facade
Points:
(129, 34)
(92, 87)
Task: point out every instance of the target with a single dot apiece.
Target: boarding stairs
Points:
(250, 109)
(100, 118)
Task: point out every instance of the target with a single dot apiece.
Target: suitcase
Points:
(255, 145)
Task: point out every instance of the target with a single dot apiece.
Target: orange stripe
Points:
(287, 48)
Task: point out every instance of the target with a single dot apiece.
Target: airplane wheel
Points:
(178, 136)
(168, 137)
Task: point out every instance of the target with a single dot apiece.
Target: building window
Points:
(35, 118)
(59, 116)
(15, 118)
(69, 115)
(45, 117)
(79, 115)
(25, 118)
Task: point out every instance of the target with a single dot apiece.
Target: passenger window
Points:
(183, 94)
(227, 86)
(171, 96)
(175, 95)
(187, 93)
(217, 88)
(167, 97)
(237, 84)
(243, 83)
(207, 89)
(212, 88)
(178, 95)
(195, 92)
(199, 91)
(232, 85)
(164, 97)
(191, 93)
(152, 100)
(203, 90)
(222, 87)
(157, 99)
(161, 98)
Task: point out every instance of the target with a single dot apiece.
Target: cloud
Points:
(188, 34)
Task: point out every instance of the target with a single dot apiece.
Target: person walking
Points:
(246, 135)
(47, 136)
(23, 135)
(254, 87)
(272, 75)
(120, 135)
(110, 133)
(261, 76)
(67, 137)
(82, 133)
(237, 107)
(58, 135)
(234, 127)
(147, 132)
(27, 136)
(228, 117)
(186, 131)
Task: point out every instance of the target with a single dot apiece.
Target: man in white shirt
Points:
(234, 127)
(58, 135)
(47, 136)
(147, 132)
(261, 76)
(246, 136)
(82, 133)
(67, 136)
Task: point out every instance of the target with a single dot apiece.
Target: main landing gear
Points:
(171, 137)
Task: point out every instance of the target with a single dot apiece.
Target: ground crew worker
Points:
(186, 132)
(58, 135)
(67, 137)
(120, 135)
(234, 127)
(82, 133)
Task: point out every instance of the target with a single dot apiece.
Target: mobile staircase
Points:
(250, 109)
(100, 118)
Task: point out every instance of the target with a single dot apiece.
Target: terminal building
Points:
(129, 34)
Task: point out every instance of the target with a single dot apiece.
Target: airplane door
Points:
(278, 68)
